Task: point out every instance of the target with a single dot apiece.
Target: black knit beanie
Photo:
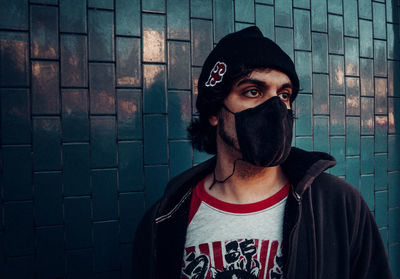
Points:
(236, 53)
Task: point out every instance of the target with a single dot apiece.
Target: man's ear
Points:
(213, 119)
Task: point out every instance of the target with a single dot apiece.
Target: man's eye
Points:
(284, 96)
(252, 93)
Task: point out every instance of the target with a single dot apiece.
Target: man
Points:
(259, 208)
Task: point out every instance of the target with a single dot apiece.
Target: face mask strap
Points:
(215, 180)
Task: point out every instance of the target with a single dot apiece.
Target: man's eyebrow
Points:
(286, 85)
(252, 81)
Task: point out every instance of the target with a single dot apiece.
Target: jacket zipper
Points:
(291, 235)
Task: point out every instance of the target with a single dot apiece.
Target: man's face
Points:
(250, 91)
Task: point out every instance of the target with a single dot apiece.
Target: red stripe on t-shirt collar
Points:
(240, 208)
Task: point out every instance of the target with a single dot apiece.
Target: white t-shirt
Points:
(227, 240)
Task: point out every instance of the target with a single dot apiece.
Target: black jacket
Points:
(328, 230)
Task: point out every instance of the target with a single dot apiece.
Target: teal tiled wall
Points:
(95, 97)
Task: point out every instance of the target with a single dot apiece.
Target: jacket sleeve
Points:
(368, 256)
(142, 257)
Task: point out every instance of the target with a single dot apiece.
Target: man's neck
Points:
(248, 184)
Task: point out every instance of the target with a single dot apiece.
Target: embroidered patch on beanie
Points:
(216, 74)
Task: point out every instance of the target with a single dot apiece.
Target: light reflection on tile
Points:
(380, 96)
(352, 96)
(153, 38)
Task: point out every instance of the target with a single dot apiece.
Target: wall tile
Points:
(305, 143)
(180, 157)
(45, 88)
(351, 57)
(321, 94)
(379, 19)
(244, 10)
(367, 190)
(106, 244)
(352, 135)
(154, 89)
(381, 96)
(304, 115)
(73, 16)
(17, 173)
(336, 74)
(129, 114)
(381, 174)
(153, 5)
(129, 69)
(14, 55)
(201, 9)
(48, 198)
(76, 164)
(353, 171)
(265, 18)
(320, 52)
(240, 25)
(365, 9)
(79, 263)
(77, 220)
(102, 88)
(50, 257)
(130, 202)
(350, 18)
(156, 178)
(155, 139)
(178, 65)
(74, 61)
(394, 252)
(394, 115)
(352, 96)
(127, 17)
(46, 143)
(394, 189)
(126, 252)
(201, 40)
(195, 79)
(153, 38)
(101, 35)
(103, 142)
(381, 129)
(318, 15)
(18, 228)
(179, 114)
(338, 152)
(178, 20)
(14, 270)
(75, 111)
(393, 151)
(130, 168)
(283, 13)
(381, 208)
(393, 41)
(223, 18)
(335, 33)
(337, 116)
(367, 77)
(101, 4)
(321, 133)
(104, 195)
(367, 116)
(335, 6)
(302, 30)
(15, 116)
(44, 32)
(284, 38)
(51, 2)
(367, 154)
(393, 82)
(366, 48)
(394, 225)
(303, 66)
(14, 15)
(380, 61)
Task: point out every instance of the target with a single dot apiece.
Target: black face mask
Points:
(265, 132)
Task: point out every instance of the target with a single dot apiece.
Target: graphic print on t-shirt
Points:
(236, 259)
(234, 241)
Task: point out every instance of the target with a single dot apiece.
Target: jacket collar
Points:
(301, 167)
